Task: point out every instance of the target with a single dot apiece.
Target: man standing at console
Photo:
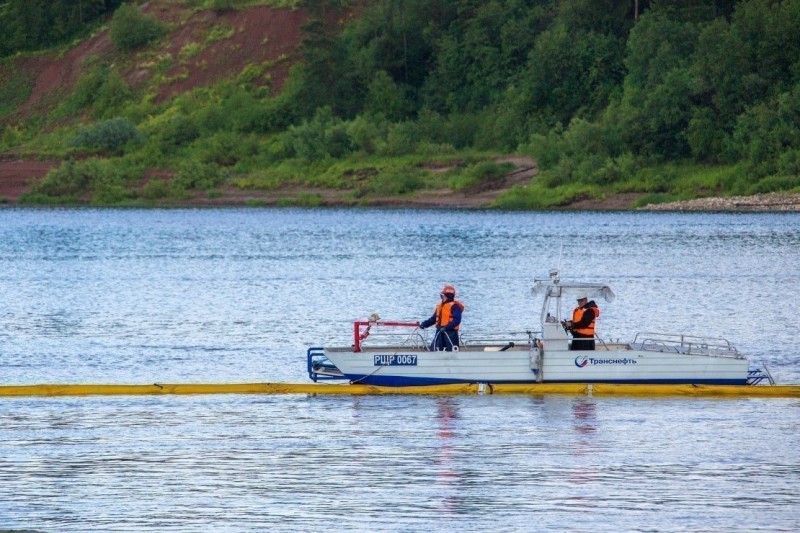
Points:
(582, 325)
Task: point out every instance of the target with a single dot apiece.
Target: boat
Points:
(397, 353)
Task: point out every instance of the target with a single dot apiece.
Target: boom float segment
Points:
(574, 389)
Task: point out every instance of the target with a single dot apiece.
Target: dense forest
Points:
(35, 24)
(670, 99)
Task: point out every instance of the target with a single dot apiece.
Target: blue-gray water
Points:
(237, 295)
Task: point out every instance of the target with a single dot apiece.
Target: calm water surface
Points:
(143, 296)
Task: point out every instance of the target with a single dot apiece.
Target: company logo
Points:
(583, 361)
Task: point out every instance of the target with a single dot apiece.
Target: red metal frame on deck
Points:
(359, 336)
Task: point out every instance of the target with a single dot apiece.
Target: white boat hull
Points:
(637, 366)
(395, 367)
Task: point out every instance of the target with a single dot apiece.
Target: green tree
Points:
(393, 36)
(387, 98)
(24, 23)
(767, 131)
(479, 53)
(33, 24)
(739, 64)
(572, 74)
(325, 78)
(656, 105)
(132, 29)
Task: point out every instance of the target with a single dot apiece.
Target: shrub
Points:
(250, 73)
(774, 184)
(480, 173)
(190, 50)
(365, 134)
(398, 181)
(540, 197)
(322, 137)
(401, 139)
(86, 90)
(155, 189)
(195, 175)
(431, 126)
(132, 29)
(105, 177)
(547, 150)
(64, 180)
(223, 6)
(11, 136)
(180, 130)
(111, 193)
(224, 148)
(502, 124)
(111, 95)
(614, 170)
(789, 162)
(460, 129)
(102, 88)
(220, 33)
(108, 136)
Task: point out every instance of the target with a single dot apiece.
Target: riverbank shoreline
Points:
(770, 202)
(18, 175)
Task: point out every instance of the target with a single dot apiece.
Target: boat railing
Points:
(413, 340)
(685, 344)
(610, 344)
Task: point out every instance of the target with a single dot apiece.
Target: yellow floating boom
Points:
(599, 389)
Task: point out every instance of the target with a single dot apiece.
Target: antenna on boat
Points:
(554, 273)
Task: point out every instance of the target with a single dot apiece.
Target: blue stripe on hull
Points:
(401, 381)
(662, 381)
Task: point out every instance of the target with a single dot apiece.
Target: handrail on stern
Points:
(685, 344)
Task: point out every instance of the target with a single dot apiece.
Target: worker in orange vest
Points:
(447, 319)
(582, 325)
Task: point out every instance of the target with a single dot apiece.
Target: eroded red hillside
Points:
(201, 49)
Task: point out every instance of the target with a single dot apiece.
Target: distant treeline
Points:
(34, 24)
(713, 81)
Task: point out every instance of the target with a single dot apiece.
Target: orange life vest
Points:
(577, 315)
(444, 313)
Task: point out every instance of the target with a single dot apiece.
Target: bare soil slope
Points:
(16, 173)
(255, 36)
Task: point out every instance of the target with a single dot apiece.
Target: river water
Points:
(237, 295)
